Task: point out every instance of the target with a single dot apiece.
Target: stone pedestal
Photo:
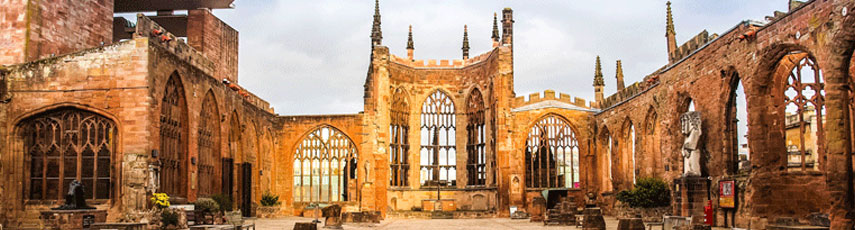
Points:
(72, 219)
(332, 214)
(690, 195)
(630, 224)
(537, 209)
(305, 226)
(593, 219)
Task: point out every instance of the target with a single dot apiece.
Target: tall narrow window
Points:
(68, 144)
(438, 150)
(737, 128)
(803, 98)
(631, 140)
(173, 139)
(209, 147)
(552, 155)
(651, 145)
(325, 167)
(399, 145)
(476, 163)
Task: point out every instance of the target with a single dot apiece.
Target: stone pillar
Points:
(690, 195)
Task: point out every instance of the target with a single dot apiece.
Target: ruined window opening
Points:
(68, 144)
(552, 155)
(804, 111)
(631, 141)
(650, 144)
(476, 163)
(173, 139)
(209, 148)
(399, 146)
(325, 167)
(737, 116)
(438, 143)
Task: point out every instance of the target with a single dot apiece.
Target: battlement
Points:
(550, 95)
(628, 93)
(433, 63)
(693, 44)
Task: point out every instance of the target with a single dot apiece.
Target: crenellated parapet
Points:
(628, 93)
(551, 95)
(434, 63)
(693, 44)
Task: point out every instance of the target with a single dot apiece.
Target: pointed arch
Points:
(801, 85)
(63, 144)
(174, 138)
(552, 154)
(628, 153)
(235, 150)
(737, 154)
(438, 140)
(210, 157)
(651, 144)
(325, 163)
(399, 143)
(476, 161)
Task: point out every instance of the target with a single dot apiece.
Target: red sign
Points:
(727, 194)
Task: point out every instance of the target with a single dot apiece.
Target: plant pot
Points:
(267, 211)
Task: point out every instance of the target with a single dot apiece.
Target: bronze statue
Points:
(75, 198)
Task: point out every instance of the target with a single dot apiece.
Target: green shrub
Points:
(268, 199)
(648, 193)
(224, 201)
(168, 217)
(207, 205)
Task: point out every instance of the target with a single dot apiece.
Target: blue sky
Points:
(311, 57)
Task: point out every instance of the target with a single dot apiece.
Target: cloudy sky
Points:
(311, 57)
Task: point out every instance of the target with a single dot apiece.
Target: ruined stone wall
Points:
(35, 29)
(216, 39)
(705, 78)
(291, 131)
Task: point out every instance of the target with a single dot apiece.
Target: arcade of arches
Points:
(775, 101)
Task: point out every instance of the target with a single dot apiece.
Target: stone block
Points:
(305, 226)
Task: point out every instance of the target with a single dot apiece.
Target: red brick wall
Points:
(216, 40)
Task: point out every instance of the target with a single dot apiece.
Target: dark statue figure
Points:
(75, 199)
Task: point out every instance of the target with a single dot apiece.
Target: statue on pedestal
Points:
(691, 129)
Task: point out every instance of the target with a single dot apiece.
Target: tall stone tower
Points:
(670, 34)
(598, 82)
(619, 76)
(508, 27)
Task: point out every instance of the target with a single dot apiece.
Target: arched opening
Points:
(476, 163)
(651, 145)
(399, 145)
(802, 89)
(739, 155)
(325, 163)
(209, 148)
(605, 160)
(552, 155)
(438, 141)
(173, 139)
(67, 144)
(235, 150)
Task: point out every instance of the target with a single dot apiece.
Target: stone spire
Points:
(598, 74)
(465, 42)
(619, 76)
(670, 35)
(410, 47)
(598, 82)
(495, 30)
(376, 34)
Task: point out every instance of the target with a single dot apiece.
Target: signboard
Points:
(727, 194)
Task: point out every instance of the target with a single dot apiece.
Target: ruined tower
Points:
(495, 31)
(410, 47)
(507, 27)
(376, 33)
(465, 43)
(619, 76)
(598, 82)
(670, 34)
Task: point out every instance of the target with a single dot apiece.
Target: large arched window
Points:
(173, 139)
(64, 145)
(438, 150)
(552, 155)
(650, 143)
(630, 140)
(737, 127)
(804, 110)
(476, 163)
(209, 147)
(324, 166)
(399, 145)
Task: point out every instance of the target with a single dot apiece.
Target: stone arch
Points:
(325, 152)
(479, 202)
(65, 143)
(626, 159)
(438, 132)
(552, 154)
(476, 161)
(174, 143)
(605, 159)
(209, 168)
(736, 123)
(651, 141)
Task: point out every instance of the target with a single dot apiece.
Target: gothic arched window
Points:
(804, 109)
(399, 146)
(476, 163)
(209, 147)
(438, 148)
(324, 166)
(173, 139)
(552, 155)
(68, 144)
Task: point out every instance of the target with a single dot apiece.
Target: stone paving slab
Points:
(425, 224)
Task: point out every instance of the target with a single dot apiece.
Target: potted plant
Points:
(206, 209)
(650, 199)
(269, 205)
(168, 217)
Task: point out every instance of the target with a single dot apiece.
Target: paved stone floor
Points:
(425, 224)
